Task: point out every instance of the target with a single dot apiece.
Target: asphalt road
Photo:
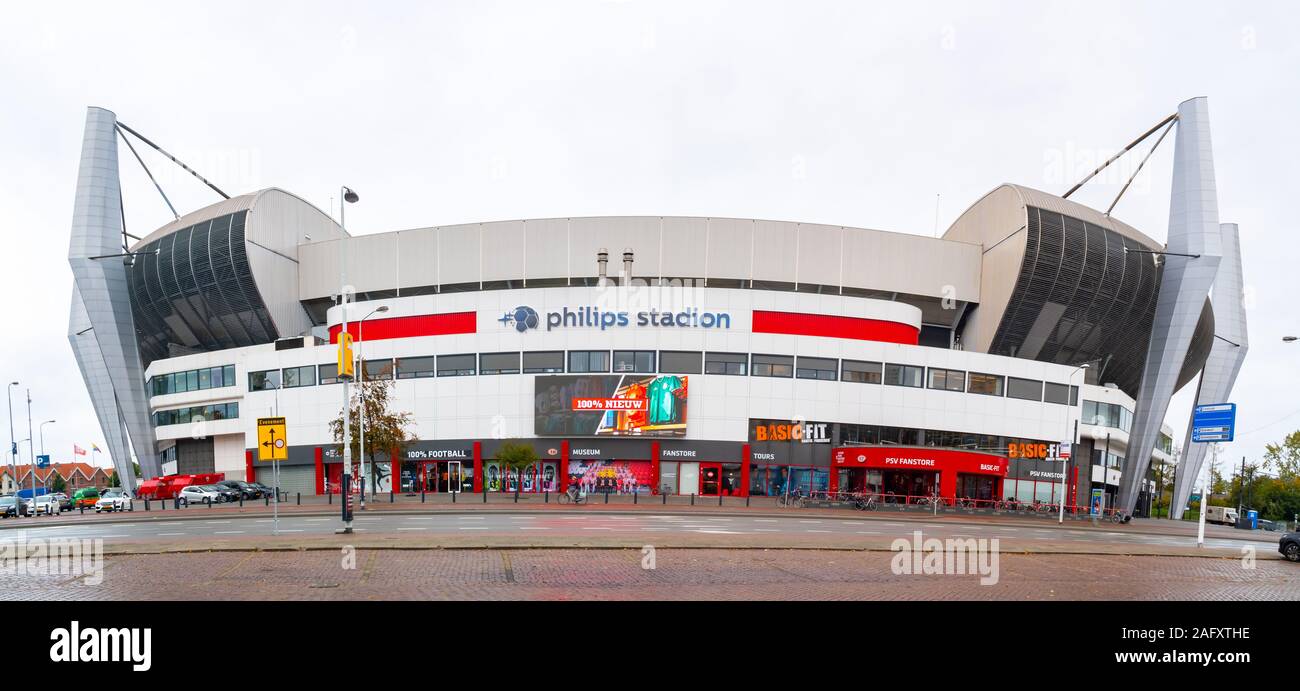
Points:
(580, 525)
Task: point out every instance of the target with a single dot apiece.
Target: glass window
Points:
(583, 361)
(328, 374)
(904, 375)
(734, 364)
(773, 366)
(824, 369)
(378, 369)
(416, 367)
(1024, 389)
(456, 365)
(228, 375)
(862, 372)
(545, 362)
(1056, 393)
(264, 381)
(499, 363)
(192, 382)
(299, 376)
(947, 379)
(681, 362)
(205, 379)
(218, 376)
(986, 384)
(636, 361)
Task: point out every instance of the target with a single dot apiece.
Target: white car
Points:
(114, 500)
(47, 504)
(200, 494)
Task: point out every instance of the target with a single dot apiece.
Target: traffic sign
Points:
(272, 442)
(43, 461)
(1214, 423)
(345, 364)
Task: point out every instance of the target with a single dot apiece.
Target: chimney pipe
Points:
(602, 266)
(628, 257)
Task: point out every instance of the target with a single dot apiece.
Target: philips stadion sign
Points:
(525, 319)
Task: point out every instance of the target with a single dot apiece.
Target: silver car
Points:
(47, 504)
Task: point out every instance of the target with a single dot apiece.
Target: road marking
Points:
(170, 534)
(105, 537)
(265, 520)
(766, 530)
(718, 532)
(285, 530)
(531, 527)
(1009, 530)
(817, 531)
(765, 520)
(873, 532)
(597, 528)
(523, 518)
(470, 518)
(473, 528)
(316, 520)
(421, 519)
(227, 532)
(216, 522)
(810, 521)
(405, 529)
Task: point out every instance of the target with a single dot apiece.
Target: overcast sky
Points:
(852, 113)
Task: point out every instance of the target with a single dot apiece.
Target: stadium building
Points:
(714, 356)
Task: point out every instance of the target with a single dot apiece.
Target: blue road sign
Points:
(1214, 423)
(43, 461)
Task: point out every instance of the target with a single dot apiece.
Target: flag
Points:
(78, 450)
(95, 448)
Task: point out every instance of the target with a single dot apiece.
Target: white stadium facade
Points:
(667, 355)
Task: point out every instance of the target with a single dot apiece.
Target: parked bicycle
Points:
(573, 497)
(794, 499)
(865, 502)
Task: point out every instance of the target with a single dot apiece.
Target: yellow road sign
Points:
(345, 364)
(272, 442)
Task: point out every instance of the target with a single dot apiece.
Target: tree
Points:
(516, 457)
(386, 431)
(57, 483)
(113, 481)
(1284, 458)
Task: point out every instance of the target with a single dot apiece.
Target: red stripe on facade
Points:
(831, 326)
(411, 327)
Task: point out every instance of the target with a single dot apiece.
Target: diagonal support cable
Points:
(1140, 165)
(122, 134)
(1116, 157)
(175, 160)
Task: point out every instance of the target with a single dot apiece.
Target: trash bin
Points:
(1252, 517)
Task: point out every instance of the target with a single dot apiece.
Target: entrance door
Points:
(454, 477)
(688, 476)
(710, 479)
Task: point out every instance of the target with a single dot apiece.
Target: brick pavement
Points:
(616, 574)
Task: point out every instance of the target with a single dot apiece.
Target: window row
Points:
(186, 416)
(192, 380)
(1111, 415)
(677, 362)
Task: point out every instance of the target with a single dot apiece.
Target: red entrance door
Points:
(710, 479)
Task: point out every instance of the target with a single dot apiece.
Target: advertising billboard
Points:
(611, 405)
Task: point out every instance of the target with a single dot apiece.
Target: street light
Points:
(365, 467)
(13, 443)
(349, 197)
(1074, 438)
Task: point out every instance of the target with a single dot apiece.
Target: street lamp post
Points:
(13, 443)
(31, 450)
(41, 431)
(348, 197)
(365, 467)
(1074, 438)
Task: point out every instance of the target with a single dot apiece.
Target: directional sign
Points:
(1214, 423)
(272, 444)
(43, 461)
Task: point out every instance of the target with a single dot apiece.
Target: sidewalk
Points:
(321, 506)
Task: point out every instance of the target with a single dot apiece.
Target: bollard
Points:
(300, 499)
(241, 500)
(516, 497)
(606, 496)
(146, 504)
(692, 500)
(421, 495)
(665, 499)
(177, 503)
(485, 495)
(266, 500)
(747, 501)
(453, 497)
(548, 496)
(634, 498)
(719, 500)
(208, 502)
(330, 497)
(83, 509)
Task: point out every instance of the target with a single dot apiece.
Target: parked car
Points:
(245, 490)
(65, 502)
(12, 506)
(114, 500)
(200, 494)
(1271, 526)
(1289, 546)
(47, 504)
(86, 496)
(267, 491)
(228, 493)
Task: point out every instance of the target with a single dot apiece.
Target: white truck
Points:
(1224, 515)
